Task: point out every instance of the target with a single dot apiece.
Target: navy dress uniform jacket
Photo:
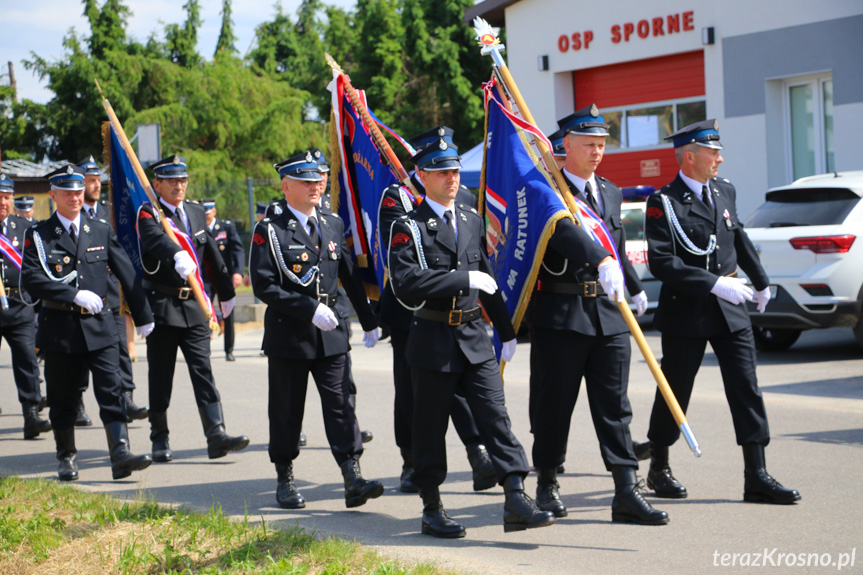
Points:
(157, 256)
(395, 204)
(230, 246)
(686, 306)
(445, 285)
(572, 257)
(96, 250)
(288, 328)
(18, 311)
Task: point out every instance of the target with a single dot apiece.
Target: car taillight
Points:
(824, 244)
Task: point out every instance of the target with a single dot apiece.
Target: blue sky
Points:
(40, 25)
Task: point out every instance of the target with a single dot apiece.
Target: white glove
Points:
(324, 318)
(762, 297)
(482, 281)
(184, 264)
(733, 290)
(640, 301)
(508, 350)
(145, 329)
(611, 278)
(89, 301)
(370, 338)
(227, 306)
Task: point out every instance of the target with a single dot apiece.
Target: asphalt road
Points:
(814, 395)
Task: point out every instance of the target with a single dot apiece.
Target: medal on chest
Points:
(727, 218)
(332, 247)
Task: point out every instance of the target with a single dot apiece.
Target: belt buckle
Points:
(83, 310)
(589, 289)
(324, 298)
(452, 315)
(184, 292)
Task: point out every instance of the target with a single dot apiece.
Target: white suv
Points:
(807, 234)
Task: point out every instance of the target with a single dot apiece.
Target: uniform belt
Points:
(13, 292)
(583, 289)
(450, 317)
(327, 299)
(72, 308)
(178, 292)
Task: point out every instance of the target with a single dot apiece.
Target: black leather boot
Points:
(659, 477)
(287, 495)
(641, 450)
(519, 511)
(357, 489)
(159, 436)
(758, 485)
(33, 424)
(43, 403)
(547, 495)
(81, 417)
(484, 475)
(435, 521)
(407, 485)
(219, 443)
(67, 455)
(133, 411)
(123, 461)
(628, 506)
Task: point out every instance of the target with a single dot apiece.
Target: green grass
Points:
(50, 527)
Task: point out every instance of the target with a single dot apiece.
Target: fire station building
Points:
(783, 78)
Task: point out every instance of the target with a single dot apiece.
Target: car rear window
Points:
(804, 207)
(633, 223)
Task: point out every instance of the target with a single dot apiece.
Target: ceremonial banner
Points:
(520, 205)
(362, 178)
(127, 196)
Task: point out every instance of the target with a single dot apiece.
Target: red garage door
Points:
(664, 79)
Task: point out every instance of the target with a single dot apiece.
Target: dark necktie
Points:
(448, 218)
(2, 228)
(591, 199)
(181, 220)
(313, 230)
(73, 233)
(92, 211)
(705, 197)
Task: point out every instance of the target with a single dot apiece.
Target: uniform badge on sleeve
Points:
(399, 239)
(654, 213)
(389, 202)
(258, 239)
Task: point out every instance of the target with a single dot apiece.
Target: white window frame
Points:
(816, 81)
(641, 105)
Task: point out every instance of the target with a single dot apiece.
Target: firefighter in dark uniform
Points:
(695, 244)
(99, 209)
(24, 208)
(576, 329)
(180, 323)
(231, 247)
(297, 259)
(437, 259)
(66, 261)
(16, 322)
(396, 201)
